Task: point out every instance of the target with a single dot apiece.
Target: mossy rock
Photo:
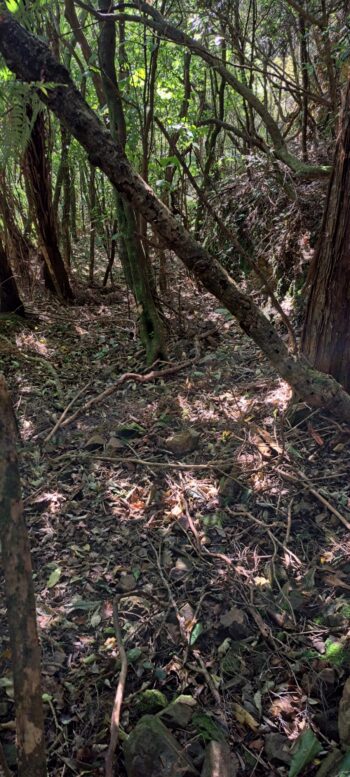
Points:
(150, 701)
(152, 751)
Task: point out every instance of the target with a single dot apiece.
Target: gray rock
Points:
(178, 714)
(182, 443)
(152, 751)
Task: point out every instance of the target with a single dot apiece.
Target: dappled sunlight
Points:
(280, 396)
(164, 261)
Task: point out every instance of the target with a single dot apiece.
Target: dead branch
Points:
(300, 476)
(128, 377)
(118, 699)
(65, 412)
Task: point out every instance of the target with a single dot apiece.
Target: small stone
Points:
(152, 751)
(95, 443)
(179, 713)
(183, 442)
(127, 583)
(235, 621)
(278, 747)
(114, 445)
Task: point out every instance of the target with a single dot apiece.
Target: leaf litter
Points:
(218, 517)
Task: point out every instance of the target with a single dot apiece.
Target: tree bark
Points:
(326, 335)
(25, 650)
(30, 58)
(136, 265)
(55, 273)
(17, 246)
(10, 301)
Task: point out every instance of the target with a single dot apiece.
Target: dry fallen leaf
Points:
(244, 717)
(336, 581)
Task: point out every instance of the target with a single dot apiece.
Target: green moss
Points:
(345, 611)
(150, 701)
(207, 727)
(336, 654)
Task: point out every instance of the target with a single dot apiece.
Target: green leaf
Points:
(12, 5)
(54, 577)
(307, 748)
(128, 431)
(195, 633)
(6, 682)
(134, 654)
(89, 659)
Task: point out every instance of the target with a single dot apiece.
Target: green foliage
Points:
(308, 748)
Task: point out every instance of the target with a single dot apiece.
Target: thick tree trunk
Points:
(55, 273)
(25, 650)
(29, 58)
(326, 336)
(10, 301)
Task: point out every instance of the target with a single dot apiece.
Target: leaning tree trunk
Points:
(20, 601)
(326, 335)
(10, 301)
(36, 163)
(30, 58)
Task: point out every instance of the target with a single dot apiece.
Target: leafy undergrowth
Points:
(218, 516)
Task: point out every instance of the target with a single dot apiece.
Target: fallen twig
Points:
(65, 412)
(170, 593)
(267, 528)
(119, 695)
(299, 476)
(128, 376)
(166, 464)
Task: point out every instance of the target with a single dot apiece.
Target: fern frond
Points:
(20, 105)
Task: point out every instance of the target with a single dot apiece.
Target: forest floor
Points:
(218, 517)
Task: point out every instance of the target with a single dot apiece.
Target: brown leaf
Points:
(234, 615)
(336, 581)
(315, 435)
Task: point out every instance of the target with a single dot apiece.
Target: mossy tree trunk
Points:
(134, 261)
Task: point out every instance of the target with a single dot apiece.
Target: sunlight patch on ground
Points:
(280, 395)
(30, 342)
